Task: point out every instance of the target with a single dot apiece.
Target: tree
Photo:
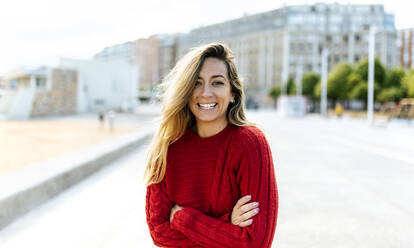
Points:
(291, 86)
(379, 70)
(274, 93)
(337, 82)
(394, 77)
(309, 81)
(408, 83)
(360, 91)
(391, 94)
(392, 89)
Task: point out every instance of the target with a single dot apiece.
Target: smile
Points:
(207, 106)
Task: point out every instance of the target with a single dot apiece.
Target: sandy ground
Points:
(25, 142)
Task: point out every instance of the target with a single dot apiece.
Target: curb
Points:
(34, 185)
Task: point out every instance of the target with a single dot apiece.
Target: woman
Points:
(205, 157)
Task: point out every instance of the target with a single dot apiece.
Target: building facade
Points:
(38, 92)
(144, 55)
(76, 86)
(270, 47)
(406, 48)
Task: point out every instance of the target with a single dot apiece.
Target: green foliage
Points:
(274, 92)
(337, 82)
(394, 77)
(379, 70)
(391, 94)
(291, 86)
(309, 81)
(408, 83)
(317, 90)
(360, 91)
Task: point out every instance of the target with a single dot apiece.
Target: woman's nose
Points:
(206, 90)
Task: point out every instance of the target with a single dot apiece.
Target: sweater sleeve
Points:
(158, 209)
(255, 175)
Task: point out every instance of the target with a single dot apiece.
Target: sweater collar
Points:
(211, 140)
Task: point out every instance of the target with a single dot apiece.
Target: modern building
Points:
(406, 48)
(272, 46)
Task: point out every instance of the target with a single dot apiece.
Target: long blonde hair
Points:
(176, 116)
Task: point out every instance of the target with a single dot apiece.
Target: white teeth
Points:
(207, 106)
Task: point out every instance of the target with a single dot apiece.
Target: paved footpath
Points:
(341, 184)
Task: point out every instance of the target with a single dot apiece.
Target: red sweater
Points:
(207, 176)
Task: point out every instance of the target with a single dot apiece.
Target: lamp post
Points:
(299, 75)
(324, 82)
(371, 74)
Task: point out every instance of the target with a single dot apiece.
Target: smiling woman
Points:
(211, 97)
(209, 168)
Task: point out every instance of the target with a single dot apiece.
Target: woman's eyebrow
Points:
(214, 76)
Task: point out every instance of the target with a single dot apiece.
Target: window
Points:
(345, 38)
(13, 84)
(328, 38)
(40, 83)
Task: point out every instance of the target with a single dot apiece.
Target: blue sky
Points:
(39, 32)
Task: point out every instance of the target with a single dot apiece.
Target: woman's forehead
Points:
(213, 67)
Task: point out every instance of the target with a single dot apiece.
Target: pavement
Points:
(28, 187)
(342, 183)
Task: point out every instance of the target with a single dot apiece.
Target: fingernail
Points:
(249, 197)
(257, 210)
(256, 204)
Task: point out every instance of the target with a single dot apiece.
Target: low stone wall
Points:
(62, 96)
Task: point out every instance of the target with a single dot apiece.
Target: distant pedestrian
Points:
(209, 167)
(339, 110)
(101, 117)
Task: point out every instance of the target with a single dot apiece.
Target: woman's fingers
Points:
(249, 215)
(246, 223)
(242, 201)
(247, 207)
(244, 211)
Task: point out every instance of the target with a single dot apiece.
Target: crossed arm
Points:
(175, 226)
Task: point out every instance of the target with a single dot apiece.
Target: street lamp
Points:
(371, 74)
(324, 81)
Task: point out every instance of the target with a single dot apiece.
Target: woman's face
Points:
(212, 93)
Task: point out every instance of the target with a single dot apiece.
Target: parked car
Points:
(252, 103)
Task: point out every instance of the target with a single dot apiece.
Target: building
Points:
(76, 86)
(270, 47)
(104, 85)
(406, 48)
(38, 92)
(167, 54)
(143, 54)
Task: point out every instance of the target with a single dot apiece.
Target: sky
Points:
(39, 32)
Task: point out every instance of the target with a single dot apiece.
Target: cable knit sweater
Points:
(207, 176)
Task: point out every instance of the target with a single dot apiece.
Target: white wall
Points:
(113, 82)
(22, 104)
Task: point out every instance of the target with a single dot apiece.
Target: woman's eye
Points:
(218, 83)
(197, 83)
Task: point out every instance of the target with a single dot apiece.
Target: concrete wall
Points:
(104, 85)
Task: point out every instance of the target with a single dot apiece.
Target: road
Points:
(341, 184)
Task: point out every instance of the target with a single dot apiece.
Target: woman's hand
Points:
(174, 210)
(243, 212)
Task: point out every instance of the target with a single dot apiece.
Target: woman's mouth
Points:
(207, 106)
